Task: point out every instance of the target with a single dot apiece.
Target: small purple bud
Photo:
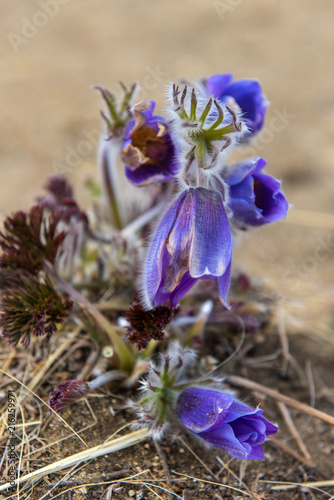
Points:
(66, 393)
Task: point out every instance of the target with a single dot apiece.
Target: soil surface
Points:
(50, 55)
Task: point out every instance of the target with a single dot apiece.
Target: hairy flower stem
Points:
(143, 219)
(202, 318)
(111, 186)
(150, 349)
(126, 361)
(105, 378)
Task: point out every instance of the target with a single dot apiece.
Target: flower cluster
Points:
(47, 235)
(30, 306)
(212, 198)
(147, 325)
(198, 201)
(202, 407)
(30, 238)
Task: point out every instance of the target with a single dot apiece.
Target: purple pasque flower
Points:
(246, 93)
(192, 242)
(222, 421)
(255, 197)
(148, 150)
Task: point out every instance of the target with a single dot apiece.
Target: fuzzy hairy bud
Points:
(30, 238)
(66, 393)
(160, 390)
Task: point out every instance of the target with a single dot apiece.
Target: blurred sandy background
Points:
(52, 51)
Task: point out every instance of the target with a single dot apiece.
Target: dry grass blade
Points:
(103, 449)
(126, 480)
(199, 459)
(313, 485)
(79, 486)
(291, 452)
(290, 423)
(8, 361)
(51, 359)
(212, 482)
(254, 386)
(230, 471)
(152, 491)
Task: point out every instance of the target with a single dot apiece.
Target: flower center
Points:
(153, 148)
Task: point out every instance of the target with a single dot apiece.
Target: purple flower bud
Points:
(255, 198)
(66, 393)
(246, 93)
(224, 422)
(193, 241)
(148, 151)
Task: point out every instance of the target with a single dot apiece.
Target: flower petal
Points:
(217, 84)
(269, 198)
(211, 247)
(224, 437)
(255, 197)
(249, 96)
(256, 453)
(241, 410)
(186, 283)
(146, 174)
(202, 409)
(224, 285)
(179, 240)
(239, 171)
(158, 258)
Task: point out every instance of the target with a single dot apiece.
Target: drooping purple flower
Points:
(193, 241)
(148, 150)
(224, 422)
(255, 197)
(247, 94)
